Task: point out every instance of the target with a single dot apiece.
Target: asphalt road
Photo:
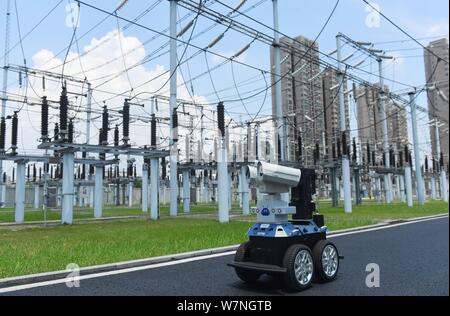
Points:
(413, 260)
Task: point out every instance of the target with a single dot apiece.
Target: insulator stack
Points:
(2, 135)
(13, 174)
(339, 154)
(344, 144)
(441, 160)
(134, 172)
(407, 155)
(368, 154)
(28, 172)
(410, 158)
(40, 174)
(116, 136)
(56, 133)
(14, 134)
(384, 160)
(34, 173)
(126, 123)
(130, 170)
(44, 119)
(354, 150)
(70, 132)
(333, 151)
(374, 160)
(153, 131)
(221, 118)
(105, 126)
(91, 170)
(4, 177)
(63, 113)
(392, 157)
(175, 125)
(164, 169)
(300, 148)
(426, 164)
(400, 159)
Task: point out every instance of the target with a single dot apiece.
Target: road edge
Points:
(50, 276)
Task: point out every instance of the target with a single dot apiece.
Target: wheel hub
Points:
(329, 260)
(303, 267)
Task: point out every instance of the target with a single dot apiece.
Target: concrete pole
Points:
(154, 193)
(145, 188)
(36, 196)
(68, 188)
(98, 195)
(343, 127)
(91, 192)
(444, 193)
(408, 186)
(402, 188)
(383, 118)
(230, 191)
(419, 177)
(245, 191)
(278, 88)
(186, 191)
(20, 193)
(130, 193)
(222, 182)
(173, 105)
(433, 188)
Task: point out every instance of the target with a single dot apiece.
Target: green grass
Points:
(371, 213)
(40, 250)
(33, 250)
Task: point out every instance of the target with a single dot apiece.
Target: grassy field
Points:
(33, 250)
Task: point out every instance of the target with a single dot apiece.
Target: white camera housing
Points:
(275, 179)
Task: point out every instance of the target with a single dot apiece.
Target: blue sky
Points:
(422, 19)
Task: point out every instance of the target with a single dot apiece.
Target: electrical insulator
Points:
(300, 148)
(441, 160)
(63, 113)
(426, 164)
(164, 169)
(105, 125)
(91, 170)
(28, 172)
(116, 136)
(406, 154)
(70, 132)
(4, 177)
(368, 154)
(354, 150)
(153, 131)
(14, 134)
(56, 132)
(44, 119)
(134, 172)
(344, 144)
(126, 122)
(13, 174)
(175, 125)
(221, 118)
(34, 173)
(40, 174)
(333, 151)
(374, 160)
(339, 148)
(400, 159)
(2, 135)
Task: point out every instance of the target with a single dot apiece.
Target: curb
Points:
(49, 276)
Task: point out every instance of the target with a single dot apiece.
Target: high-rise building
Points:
(302, 97)
(332, 131)
(370, 127)
(438, 105)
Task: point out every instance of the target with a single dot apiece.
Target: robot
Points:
(296, 249)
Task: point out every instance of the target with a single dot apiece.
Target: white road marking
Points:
(172, 263)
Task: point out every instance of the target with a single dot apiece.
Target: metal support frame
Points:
(419, 177)
(68, 188)
(343, 127)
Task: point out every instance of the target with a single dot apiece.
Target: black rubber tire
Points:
(290, 280)
(320, 275)
(245, 275)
